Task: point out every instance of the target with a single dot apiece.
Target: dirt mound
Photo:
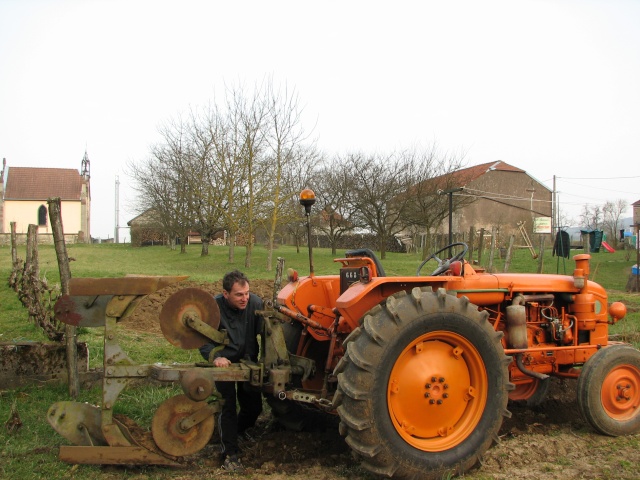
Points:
(145, 318)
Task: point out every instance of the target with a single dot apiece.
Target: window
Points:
(42, 216)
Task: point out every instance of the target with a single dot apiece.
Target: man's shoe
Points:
(233, 464)
(246, 437)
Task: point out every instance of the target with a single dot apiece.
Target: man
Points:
(238, 317)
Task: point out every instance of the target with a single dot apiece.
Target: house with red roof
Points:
(24, 192)
(503, 196)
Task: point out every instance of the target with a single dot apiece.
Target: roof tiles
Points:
(26, 183)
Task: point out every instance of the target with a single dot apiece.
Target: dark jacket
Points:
(242, 327)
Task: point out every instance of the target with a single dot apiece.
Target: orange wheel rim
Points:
(621, 392)
(437, 391)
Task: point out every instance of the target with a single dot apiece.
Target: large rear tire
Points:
(423, 386)
(609, 390)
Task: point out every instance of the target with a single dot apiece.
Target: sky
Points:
(549, 86)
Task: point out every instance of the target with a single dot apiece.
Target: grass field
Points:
(31, 452)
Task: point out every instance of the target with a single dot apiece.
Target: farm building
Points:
(503, 196)
(24, 192)
(146, 229)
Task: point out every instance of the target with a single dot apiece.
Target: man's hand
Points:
(221, 362)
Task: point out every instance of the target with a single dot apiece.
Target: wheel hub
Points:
(436, 390)
(621, 392)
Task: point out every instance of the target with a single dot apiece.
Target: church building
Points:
(24, 192)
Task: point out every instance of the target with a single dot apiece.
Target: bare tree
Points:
(208, 182)
(431, 175)
(591, 217)
(336, 213)
(163, 184)
(376, 181)
(287, 157)
(247, 115)
(612, 211)
(230, 168)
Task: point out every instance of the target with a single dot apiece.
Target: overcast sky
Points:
(552, 87)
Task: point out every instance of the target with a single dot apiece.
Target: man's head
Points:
(235, 289)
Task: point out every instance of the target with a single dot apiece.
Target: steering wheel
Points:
(443, 265)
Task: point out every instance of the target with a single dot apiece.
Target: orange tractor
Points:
(419, 369)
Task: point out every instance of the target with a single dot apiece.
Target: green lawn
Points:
(31, 452)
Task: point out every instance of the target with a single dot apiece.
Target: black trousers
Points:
(230, 421)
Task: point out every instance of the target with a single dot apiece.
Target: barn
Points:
(504, 196)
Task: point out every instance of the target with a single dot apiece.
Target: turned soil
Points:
(551, 441)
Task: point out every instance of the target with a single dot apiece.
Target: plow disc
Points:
(185, 310)
(181, 426)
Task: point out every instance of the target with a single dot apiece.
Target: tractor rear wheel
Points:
(423, 386)
(609, 390)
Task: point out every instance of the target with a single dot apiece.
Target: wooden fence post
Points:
(480, 246)
(15, 267)
(31, 273)
(470, 243)
(14, 244)
(492, 250)
(541, 254)
(507, 260)
(55, 216)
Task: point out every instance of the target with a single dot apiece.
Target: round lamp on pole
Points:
(307, 199)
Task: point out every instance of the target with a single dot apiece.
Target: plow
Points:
(183, 424)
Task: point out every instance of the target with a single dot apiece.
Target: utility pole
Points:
(115, 236)
(555, 220)
(450, 192)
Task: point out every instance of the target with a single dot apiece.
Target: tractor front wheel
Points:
(424, 386)
(609, 390)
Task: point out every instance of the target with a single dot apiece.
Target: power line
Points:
(604, 189)
(500, 196)
(599, 178)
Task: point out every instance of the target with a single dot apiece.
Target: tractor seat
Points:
(365, 252)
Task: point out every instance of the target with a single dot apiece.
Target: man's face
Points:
(238, 297)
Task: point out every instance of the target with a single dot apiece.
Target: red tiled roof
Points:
(461, 178)
(467, 175)
(26, 183)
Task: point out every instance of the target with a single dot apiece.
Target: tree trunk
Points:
(55, 217)
(183, 243)
(248, 248)
(269, 253)
(383, 249)
(232, 247)
(205, 248)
